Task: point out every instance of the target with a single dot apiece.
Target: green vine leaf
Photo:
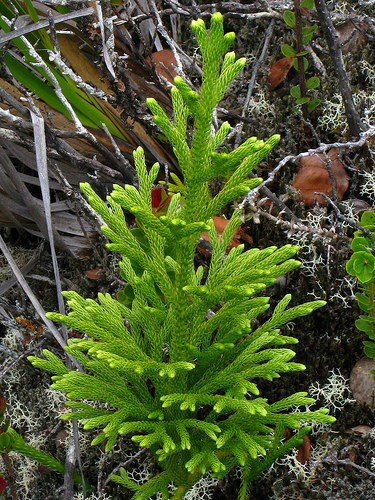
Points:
(288, 51)
(290, 19)
(314, 103)
(362, 266)
(312, 83)
(308, 4)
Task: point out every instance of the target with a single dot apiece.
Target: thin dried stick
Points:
(35, 302)
(254, 74)
(354, 121)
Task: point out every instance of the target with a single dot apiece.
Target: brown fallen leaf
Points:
(359, 430)
(220, 225)
(61, 438)
(361, 382)
(164, 62)
(279, 71)
(352, 457)
(303, 451)
(96, 274)
(350, 37)
(313, 177)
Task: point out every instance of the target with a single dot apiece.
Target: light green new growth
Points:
(183, 381)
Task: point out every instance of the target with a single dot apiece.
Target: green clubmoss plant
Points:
(177, 364)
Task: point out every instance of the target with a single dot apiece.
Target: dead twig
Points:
(348, 221)
(254, 74)
(354, 122)
(6, 37)
(333, 460)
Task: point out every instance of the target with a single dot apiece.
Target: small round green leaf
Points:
(305, 64)
(307, 38)
(368, 220)
(309, 30)
(312, 105)
(303, 100)
(364, 302)
(361, 244)
(290, 18)
(370, 351)
(364, 324)
(6, 442)
(362, 266)
(288, 51)
(295, 92)
(308, 4)
(312, 83)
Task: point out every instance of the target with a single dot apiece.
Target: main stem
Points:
(300, 59)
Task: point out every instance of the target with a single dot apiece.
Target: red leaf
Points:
(3, 483)
(159, 200)
(156, 194)
(279, 71)
(2, 406)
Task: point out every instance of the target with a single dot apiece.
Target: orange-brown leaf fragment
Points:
(164, 64)
(313, 177)
(96, 274)
(279, 71)
(220, 225)
(303, 451)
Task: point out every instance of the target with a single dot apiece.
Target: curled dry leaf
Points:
(350, 37)
(359, 430)
(164, 64)
(313, 177)
(279, 71)
(303, 450)
(361, 382)
(96, 274)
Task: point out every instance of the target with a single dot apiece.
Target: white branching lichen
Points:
(368, 186)
(335, 394)
(259, 106)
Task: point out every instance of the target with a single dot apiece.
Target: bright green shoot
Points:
(177, 367)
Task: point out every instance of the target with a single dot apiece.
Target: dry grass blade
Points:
(35, 302)
(44, 24)
(6, 285)
(41, 161)
(21, 206)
